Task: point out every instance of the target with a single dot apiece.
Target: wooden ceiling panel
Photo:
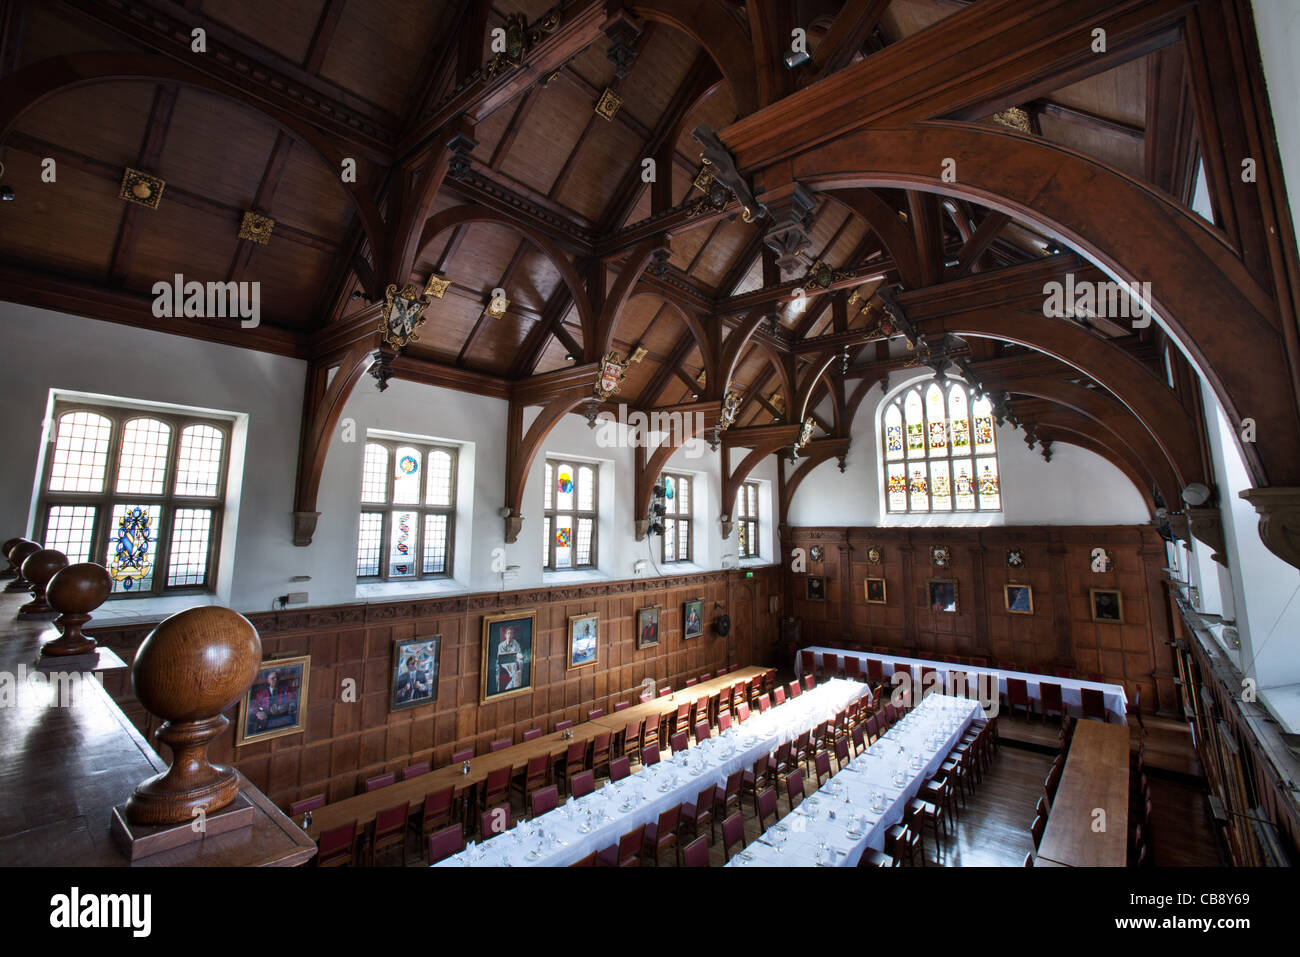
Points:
(490, 129)
(104, 122)
(1124, 152)
(662, 64)
(1119, 94)
(497, 342)
(637, 315)
(685, 246)
(850, 237)
(379, 45)
(310, 196)
(549, 133)
(447, 325)
(164, 245)
(902, 18)
(717, 110)
(722, 250)
(68, 225)
(553, 358)
(292, 276)
(216, 148)
(53, 30)
(482, 258)
(753, 279)
(285, 26)
(641, 210)
(596, 69)
(598, 168)
(535, 279)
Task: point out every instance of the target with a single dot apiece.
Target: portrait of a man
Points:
(508, 654)
(275, 703)
(415, 672)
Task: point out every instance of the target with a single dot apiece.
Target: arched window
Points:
(940, 451)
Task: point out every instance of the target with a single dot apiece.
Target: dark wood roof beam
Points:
(160, 117)
(846, 35)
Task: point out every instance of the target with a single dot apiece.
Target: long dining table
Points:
(363, 808)
(597, 820)
(1096, 778)
(857, 806)
(1115, 697)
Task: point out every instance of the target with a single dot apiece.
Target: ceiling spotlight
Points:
(6, 193)
(356, 294)
(796, 58)
(568, 356)
(952, 262)
(1196, 494)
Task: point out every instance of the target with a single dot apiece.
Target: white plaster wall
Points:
(1277, 23)
(1077, 487)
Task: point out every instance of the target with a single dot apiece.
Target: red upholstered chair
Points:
(1018, 695)
(532, 734)
(727, 798)
(627, 853)
(588, 861)
(622, 706)
(794, 788)
(809, 682)
(681, 717)
(582, 784)
(336, 846)
(630, 746)
(564, 725)
(595, 713)
(494, 821)
(499, 745)
(822, 764)
(415, 770)
(619, 768)
(679, 741)
(795, 689)
(707, 676)
(765, 807)
(733, 833)
(600, 751)
(778, 696)
(692, 682)
(875, 670)
(852, 668)
(1036, 830)
(299, 808)
(436, 813)
(702, 732)
(444, 843)
(764, 702)
(543, 800)
(496, 790)
(380, 781)
(803, 751)
(390, 830)
(699, 815)
(874, 858)
(461, 756)
(1050, 699)
(1094, 703)
(665, 692)
(575, 761)
(536, 774)
(661, 835)
(757, 778)
(858, 735)
(649, 755)
(696, 853)
(724, 722)
(841, 753)
(807, 662)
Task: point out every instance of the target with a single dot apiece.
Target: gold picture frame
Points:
(584, 640)
(942, 595)
(279, 692)
(1018, 598)
(1106, 605)
(508, 643)
(880, 591)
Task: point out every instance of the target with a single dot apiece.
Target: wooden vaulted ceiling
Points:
(380, 65)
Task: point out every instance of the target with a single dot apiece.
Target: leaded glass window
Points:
(747, 520)
(140, 491)
(408, 511)
(940, 451)
(678, 505)
(569, 503)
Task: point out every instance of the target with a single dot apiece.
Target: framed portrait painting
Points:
(875, 588)
(584, 640)
(943, 595)
(276, 703)
(507, 654)
(816, 588)
(693, 618)
(415, 672)
(1019, 598)
(647, 627)
(1107, 605)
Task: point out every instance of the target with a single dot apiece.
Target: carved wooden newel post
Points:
(5, 549)
(38, 568)
(74, 593)
(17, 554)
(192, 667)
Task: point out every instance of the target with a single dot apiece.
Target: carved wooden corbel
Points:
(1279, 520)
(1207, 526)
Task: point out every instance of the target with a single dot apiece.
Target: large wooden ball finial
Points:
(38, 568)
(17, 555)
(192, 667)
(12, 570)
(74, 593)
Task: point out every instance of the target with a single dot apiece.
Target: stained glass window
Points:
(140, 491)
(569, 503)
(955, 431)
(677, 537)
(410, 535)
(746, 519)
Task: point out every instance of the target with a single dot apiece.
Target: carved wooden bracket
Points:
(513, 524)
(304, 527)
(1207, 525)
(1279, 520)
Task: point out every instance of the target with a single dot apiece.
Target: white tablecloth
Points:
(855, 808)
(597, 821)
(1115, 696)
